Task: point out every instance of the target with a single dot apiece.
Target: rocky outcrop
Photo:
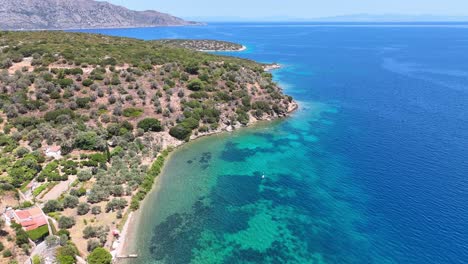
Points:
(77, 14)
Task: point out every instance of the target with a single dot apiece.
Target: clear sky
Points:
(297, 8)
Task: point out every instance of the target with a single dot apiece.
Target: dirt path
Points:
(26, 62)
(59, 189)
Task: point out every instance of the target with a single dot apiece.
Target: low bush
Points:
(180, 132)
(150, 124)
(99, 256)
(66, 222)
(132, 112)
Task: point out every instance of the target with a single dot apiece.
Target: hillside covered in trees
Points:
(204, 44)
(114, 107)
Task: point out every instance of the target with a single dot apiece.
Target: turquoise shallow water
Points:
(371, 169)
(252, 196)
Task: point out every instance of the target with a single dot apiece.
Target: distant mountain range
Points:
(78, 14)
(392, 18)
(368, 18)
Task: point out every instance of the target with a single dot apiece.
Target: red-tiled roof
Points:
(53, 148)
(28, 223)
(41, 221)
(35, 223)
(23, 215)
(35, 211)
(31, 218)
(32, 227)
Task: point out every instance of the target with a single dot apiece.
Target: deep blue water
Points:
(387, 109)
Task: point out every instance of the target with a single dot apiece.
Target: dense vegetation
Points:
(203, 44)
(112, 105)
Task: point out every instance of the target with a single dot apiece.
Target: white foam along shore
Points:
(243, 48)
(273, 66)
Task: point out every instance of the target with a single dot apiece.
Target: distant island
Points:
(78, 14)
(87, 121)
(391, 18)
(204, 44)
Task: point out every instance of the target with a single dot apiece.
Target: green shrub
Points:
(190, 123)
(87, 82)
(70, 201)
(98, 157)
(192, 67)
(64, 82)
(52, 115)
(261, 105)
(66, 222)
(199, 95)
(115, 80)
(24, 170)
(52, 206)
(148, 181)
(73, 71)
(180, 132)
(99, 256)
(132, 112)
(86, 140)
(116, 151)
(67, 253)
(115, 204)
(83, 102)
(96, 210)
(21, 237)
(195, 85)
(150, 124)
(36, 260)
(82, 209)
(26, 204)
(84, 175)
(7, 253)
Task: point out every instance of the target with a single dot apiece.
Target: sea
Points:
(372, 168)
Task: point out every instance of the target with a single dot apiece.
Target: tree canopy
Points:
(150, 124)
(99, 256)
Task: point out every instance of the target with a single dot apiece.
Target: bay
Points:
(371, 169)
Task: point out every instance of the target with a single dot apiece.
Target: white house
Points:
(53, 152)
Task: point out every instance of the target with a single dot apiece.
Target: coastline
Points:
(244, 48)
(272, 66)
(130, 227)
(110, 27)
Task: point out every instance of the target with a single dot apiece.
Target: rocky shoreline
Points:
(271, 67)
(130, 226)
